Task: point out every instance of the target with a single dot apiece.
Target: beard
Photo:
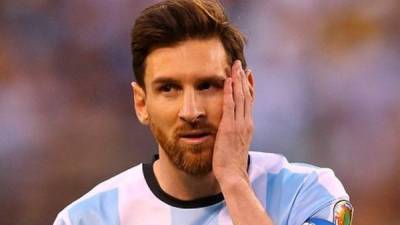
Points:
(193, 159)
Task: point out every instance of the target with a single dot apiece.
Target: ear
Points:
(250, 80)
(139, 99)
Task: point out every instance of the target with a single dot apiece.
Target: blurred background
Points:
(327, 93)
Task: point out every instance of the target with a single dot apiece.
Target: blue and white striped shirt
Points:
(291, 194)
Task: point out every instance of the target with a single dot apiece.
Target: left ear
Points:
(139, 99)
(250, 80)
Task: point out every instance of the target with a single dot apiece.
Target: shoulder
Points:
(132, 175)
(294, 191)
(284, 174)
(101, 202)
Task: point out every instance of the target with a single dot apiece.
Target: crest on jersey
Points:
(343, 213)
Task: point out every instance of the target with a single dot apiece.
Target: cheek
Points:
(162, 113)
(215, 109)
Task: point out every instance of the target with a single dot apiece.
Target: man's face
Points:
(183, 101)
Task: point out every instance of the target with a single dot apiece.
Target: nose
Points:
(191, 109)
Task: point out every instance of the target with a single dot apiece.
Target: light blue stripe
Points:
(324, 213)
(100, 209)
(259, 187)
(281, 192)
(316, 221)
(197, 216)
(292, 197)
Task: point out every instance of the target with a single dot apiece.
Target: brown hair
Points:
(172, 21)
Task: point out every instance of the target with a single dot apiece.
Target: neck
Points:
(181, 185)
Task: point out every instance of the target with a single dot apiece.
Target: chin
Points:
(195, 161)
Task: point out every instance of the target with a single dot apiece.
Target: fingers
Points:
(249, 95)
(228, 105)
(250, 83)
(244, 90)
(238, 94)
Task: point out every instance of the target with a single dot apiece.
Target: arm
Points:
(231, 150)
(243, 205)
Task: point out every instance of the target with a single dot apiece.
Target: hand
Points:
(235, 129)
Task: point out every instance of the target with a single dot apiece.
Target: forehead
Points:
(187, 60)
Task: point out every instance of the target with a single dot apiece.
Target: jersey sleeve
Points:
(338, 213)
(320, 201)
(59, 220)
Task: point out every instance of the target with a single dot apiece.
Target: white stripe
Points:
(138, 205)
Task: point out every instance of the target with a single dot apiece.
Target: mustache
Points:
(202, 126)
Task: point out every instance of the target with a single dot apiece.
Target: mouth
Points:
(195, 136)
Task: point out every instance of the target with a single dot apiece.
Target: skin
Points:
(227, 107)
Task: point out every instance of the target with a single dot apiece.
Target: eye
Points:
(168, 87)
(204, 86)
(207, 85)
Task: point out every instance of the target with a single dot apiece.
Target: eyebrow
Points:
(210, 78)
(163, 80)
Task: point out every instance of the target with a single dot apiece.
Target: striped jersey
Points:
(291, 194)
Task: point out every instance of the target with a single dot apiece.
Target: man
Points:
(195, 93)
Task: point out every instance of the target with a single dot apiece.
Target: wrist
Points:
(232, 182)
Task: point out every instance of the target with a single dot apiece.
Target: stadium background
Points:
(327, 87)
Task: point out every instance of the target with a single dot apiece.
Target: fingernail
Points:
(239, 67)
(237, 63)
